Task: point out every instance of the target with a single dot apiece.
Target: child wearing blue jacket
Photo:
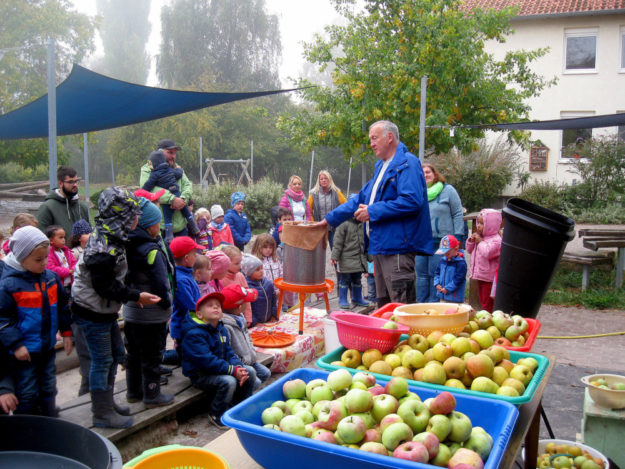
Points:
(209, 361)
(33, 307)
(265, 307)
(239, 225)
(450, 277)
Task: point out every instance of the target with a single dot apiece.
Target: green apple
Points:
(366, 378)
(306, 416)
(370, 356)
(516, 384)
(415, 414)
(397, 387)
(272, 415)
(393, 360)
(440, 425)
(302, 405)
(507, 391)
(401, 350)
(321, 393)
(455, 383)
(282, 406)
(480, 442)
(441, 351)
(413, 359)
(460, 346)
(396, 434)
(358, 400)
(454, 367)
(374, 447)
(383, 405)
(529, 362)
(294, 389)
(502, 322)
(483, 338)
(434, 373)
(367, 417)
(402, 372)
(339, 380)
(290, 403)
(460, 427)
(390, 325)
(409, 395)
(351, 358)
(434, 336)
(499, 375)
(293, 424)
(465, 458)
(351, 429)
(312, 385)
(522, 373)
(442, 456)
(484, 384)
(447, 338)
(418, 342)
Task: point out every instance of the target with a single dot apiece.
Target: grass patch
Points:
(566, 289)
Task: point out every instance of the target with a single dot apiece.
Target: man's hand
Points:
(22, 354)
(439, 288)
(177, 204)
(362, 214)
(68, 345)
(241, 375)
(323, 222)
(146, 298)
(8, 402)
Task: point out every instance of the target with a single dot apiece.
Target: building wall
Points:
(577, 93)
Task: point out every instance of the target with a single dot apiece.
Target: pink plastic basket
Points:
(360, 332)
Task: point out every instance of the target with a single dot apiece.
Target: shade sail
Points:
(87, 101)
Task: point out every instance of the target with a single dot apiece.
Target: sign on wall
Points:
(538, 158)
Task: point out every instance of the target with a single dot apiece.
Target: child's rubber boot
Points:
(134, 390)
(357, 299)
(343, 303)
(169, 233)
(104, 415)
(153, 397)
(194, 230)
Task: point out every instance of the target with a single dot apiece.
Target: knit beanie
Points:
(220, 262)
(150, 214)
(249, 264)
(157, 157)
(25, 240)
(81, 227)
(237, 197)
(216, 211)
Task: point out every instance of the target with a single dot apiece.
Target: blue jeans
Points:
(226, 388)
(425, 267)
(352, 279)
(262, 374)
(371, 288)
(331, 239)
(106, 349)
(35, 382)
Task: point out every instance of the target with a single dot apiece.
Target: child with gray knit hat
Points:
(33, 307)
(265, 307)
(220, 230)
(165, 176)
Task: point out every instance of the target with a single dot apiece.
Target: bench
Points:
(607, 238)
(586, 260)
(79, 410)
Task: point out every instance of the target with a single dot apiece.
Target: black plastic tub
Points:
(534, 239)
(43, 442)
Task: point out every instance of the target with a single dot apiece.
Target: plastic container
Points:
(384, 309)
(416, 318)
(592, 451)
(278, 450)
(34, 441)
(534, 239)
(360, 332)
(609, 398)
(543, 363)
(330, 335)
(177, 456)
(532, 330)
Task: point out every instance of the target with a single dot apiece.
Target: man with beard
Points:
(62, 206)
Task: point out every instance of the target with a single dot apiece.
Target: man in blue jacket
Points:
(393, 206)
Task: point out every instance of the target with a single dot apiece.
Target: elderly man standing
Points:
(394, 208)
(62, 206)
(170, 149)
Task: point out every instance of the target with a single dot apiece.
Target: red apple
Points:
(444, 403)
(412, 451)
(465, 459)
(430, 441)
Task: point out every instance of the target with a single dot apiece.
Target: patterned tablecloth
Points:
(307, 347)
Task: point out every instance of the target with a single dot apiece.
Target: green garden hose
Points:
(579, 336)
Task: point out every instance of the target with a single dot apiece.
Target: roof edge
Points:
(571, 14)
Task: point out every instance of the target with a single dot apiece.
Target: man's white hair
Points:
(387, 126)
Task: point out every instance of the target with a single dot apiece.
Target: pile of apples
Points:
(389, 420)
(603, 384)
(567, 456)
(473, 362)
(506, 330)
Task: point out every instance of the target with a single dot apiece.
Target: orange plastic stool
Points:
(301, 291)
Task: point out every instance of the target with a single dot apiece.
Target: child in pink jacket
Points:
(485, 248)
(60, 259)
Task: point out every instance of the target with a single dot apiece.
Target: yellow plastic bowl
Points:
(610, 398)
(418, 318)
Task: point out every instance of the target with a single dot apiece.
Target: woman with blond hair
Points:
(324, 198)
(446, 218)
(295, 200)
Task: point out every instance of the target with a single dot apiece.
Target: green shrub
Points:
(94, 196)
(481, 176)
(546, 194)
(13, 172)
(260, 197)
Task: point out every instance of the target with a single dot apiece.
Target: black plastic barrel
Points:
(31, 441)
(534, 239)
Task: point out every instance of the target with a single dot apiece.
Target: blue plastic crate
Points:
(276, 450)
(543, 363)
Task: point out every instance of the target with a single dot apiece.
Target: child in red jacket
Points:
(60, 260)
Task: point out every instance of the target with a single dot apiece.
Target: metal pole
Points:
(113, 170)
(85, 150)
(349, 174)
(424, 83)
(252, 158)
(52, 115)
(312, 162)
(201, 173)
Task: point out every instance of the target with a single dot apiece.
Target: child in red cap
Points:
(235, 296)
(209, 361)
